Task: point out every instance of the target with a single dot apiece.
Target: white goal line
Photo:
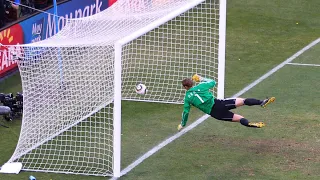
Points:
(301, 64)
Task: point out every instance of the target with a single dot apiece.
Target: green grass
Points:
(261, 34)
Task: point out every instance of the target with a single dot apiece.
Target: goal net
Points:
(73, 82)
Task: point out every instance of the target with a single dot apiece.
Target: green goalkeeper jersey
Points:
(199, 96)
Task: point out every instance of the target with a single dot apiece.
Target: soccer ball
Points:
(141, 89)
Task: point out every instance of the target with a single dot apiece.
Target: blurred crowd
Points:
(12, 10)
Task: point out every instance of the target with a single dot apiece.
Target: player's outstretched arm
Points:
(184, 120)
(185, 115)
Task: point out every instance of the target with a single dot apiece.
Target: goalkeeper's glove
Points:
(180, 127)
(197, 78)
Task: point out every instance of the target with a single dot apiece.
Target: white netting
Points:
(68, 79)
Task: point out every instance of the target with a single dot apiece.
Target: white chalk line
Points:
(203, 118)
(301, 64)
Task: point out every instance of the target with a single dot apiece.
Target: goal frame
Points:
(118, 69)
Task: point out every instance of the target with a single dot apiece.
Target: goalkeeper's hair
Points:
(187, 82)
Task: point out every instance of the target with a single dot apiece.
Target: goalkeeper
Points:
(200, 97)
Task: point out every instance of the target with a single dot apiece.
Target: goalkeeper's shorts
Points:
(221, 109)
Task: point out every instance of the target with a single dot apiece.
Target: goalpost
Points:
(73, 82)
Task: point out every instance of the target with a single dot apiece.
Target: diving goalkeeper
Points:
(201, 97)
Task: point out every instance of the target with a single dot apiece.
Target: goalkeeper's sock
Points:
(244, 122)
(252, 101)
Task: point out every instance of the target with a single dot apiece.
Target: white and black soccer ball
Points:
(141, 89)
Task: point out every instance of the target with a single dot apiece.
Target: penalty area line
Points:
(301, 64)
(203, 118)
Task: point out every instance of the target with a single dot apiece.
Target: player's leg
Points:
(220, 111)
(245, 122)
(253, 101)
(226, 115)
(237, 102)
